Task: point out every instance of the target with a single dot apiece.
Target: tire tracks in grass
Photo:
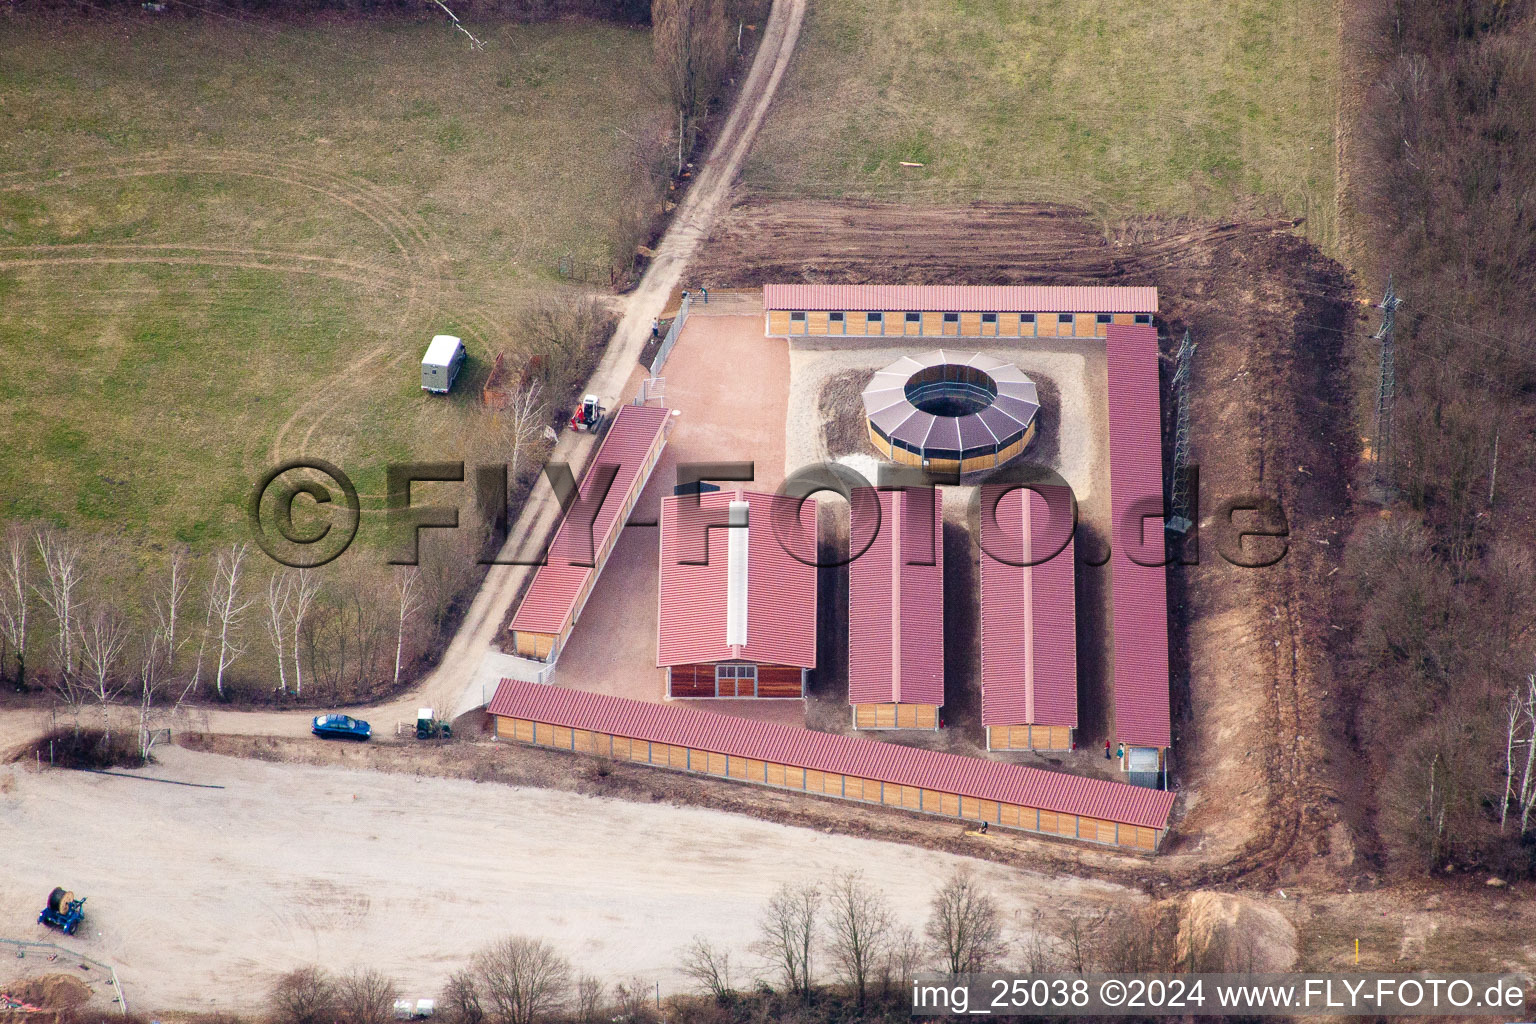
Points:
(428, 280)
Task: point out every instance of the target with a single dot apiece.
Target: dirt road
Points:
(613, 379)
(469, 665)
(200, 896)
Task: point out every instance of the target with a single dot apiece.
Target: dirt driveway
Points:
(731, 386)
(200, 896)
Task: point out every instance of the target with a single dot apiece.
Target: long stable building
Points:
(589, 530)
(953, 311)
(926, 781)
(1028, 618)
(1139, 591)
(896, 608)
(737, 614)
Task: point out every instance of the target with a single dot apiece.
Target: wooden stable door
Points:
(736, 680)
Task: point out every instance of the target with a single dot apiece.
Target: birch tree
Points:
(228, 605)
(278, 612)
(1521, 736)
(408, 601)
(305, 589)
(63, 570)
(168, 604)
(15, 597)
(102, 640)
(524, 424)
(156, 676)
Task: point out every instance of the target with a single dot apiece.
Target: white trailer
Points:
(441, 365)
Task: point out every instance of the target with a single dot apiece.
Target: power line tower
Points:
(1386, 392)
(1178, 492)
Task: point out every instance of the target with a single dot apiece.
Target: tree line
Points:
(226, 625)
(1441, 589)
(98, 625)
(824, 951)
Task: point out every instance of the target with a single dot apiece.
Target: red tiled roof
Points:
(956, 298)
(819, 751)
(1139, 592)
(781, 587)
(895, 601)
(1028, 612)
(551, 597)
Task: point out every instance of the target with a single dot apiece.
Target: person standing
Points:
(1106, 750)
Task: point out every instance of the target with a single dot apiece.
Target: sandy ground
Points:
(200, 896)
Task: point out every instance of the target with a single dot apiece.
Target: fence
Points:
(672, 333)
(64, 955)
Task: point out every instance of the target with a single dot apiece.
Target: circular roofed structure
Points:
(950, 412)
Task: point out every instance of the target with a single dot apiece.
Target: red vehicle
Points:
(588, 416)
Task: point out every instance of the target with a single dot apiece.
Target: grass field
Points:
(1179, 107)
(224, 242)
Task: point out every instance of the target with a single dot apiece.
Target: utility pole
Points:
(1178, 500)
(1386, 386)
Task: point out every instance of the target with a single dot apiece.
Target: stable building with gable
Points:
(737, 612)
(1028, 618)
(896, 608)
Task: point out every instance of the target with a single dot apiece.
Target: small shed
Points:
(441, 365)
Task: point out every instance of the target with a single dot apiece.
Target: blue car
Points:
(340, 727)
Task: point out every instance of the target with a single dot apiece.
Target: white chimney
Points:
(736, 576)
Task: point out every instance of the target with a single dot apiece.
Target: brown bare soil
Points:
(1270, 416)
(842, 415)
(51, 991)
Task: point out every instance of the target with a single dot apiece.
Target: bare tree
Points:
(1521, 733)
(168, 606)
(304, 593)
(365, 996)
(1142, 939)
(408, 601)
(229, 605)
(859, 922)
(1077, 931)
(590, 993)
(523, 421)
(905, 956)
(102, 639)
(710, 966)
(152, 670)
(787, 934)
(305, 995)
(461, 999)
(278, 610)
(63, 569)
(1036, 948)
(635, 1003)
(964, 926)
(521, 979)
(692, 43)
(15, 597)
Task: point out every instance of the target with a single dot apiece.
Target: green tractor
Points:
(428, 727)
